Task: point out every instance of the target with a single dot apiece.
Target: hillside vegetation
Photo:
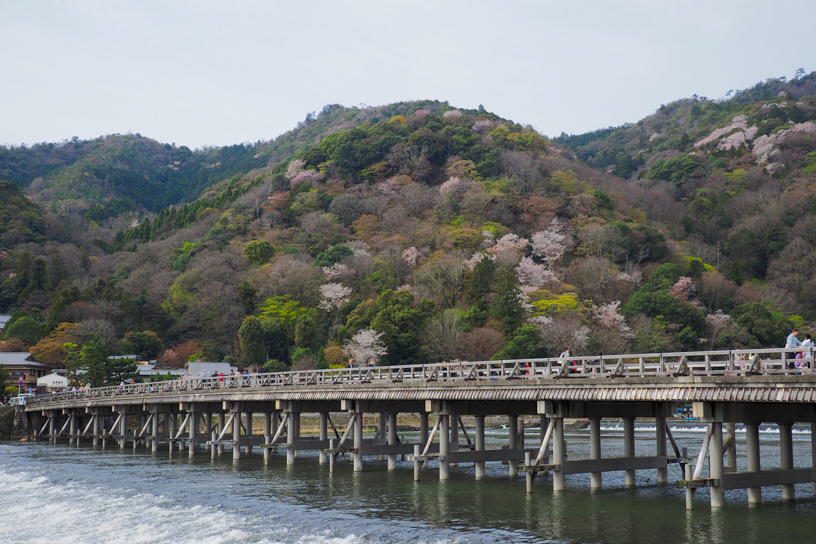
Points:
(420, 232)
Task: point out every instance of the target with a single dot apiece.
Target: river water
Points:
(68, 494)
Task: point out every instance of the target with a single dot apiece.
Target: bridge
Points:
(725, 387)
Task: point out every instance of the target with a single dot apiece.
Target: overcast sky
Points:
(215, 73)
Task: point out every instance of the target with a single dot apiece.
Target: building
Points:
(4, 318)
(52, 381)
(21, 365)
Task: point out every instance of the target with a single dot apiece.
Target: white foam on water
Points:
(39, 511)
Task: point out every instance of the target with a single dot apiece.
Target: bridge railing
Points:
(588, 367)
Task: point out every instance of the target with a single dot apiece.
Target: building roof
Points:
(4, 318)
(20, 358)
(210, 368)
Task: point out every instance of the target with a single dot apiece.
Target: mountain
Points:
(421, 232)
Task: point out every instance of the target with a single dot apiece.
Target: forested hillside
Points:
(420, 232)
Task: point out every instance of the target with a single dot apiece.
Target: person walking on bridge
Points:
(792, 342)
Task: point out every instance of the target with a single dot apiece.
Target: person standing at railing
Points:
(793, 342)
(806, 345)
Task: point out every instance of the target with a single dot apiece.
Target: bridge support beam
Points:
(392, 439)
(292, 435)
(171, 423)
(193, 430)
(660, 450)
(786, 458)
(512, 443)
(323, 435)
(558, 454)
(154, 438)
(813, 449)
(357, 454)
(752, 451)
(629, 448)
(221, 425)
(423, 427)
(236, 434)
(267, 435)
(72, 436)
(444, 446)
(596, 478)
(249, 431)
(479, 466)
(715, 466)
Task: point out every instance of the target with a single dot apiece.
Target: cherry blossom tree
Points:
(412, 256)
(333, 295)
(509, 242)
(683, 289)
(532, 276)
(365, 346)
(295, 167)
(549, 245)
(336, 271)
(607, 316)
(717, 325)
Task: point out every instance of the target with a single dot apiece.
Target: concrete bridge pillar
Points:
(423, 428)
(97, 427)
(752, 451)
(444, 447)
(715, 466)
(236, 434)
(172, 425)
(813, 449)
(558, 454)
(357, 455)
(73, 438)
(392, 439)
(786, 458)
(249, 431)
(596, 478)
(123, 430)
(660, 450)
(267, 435)
(324, 435)
(51, 424)
(292, 434)
(194, 426)
(154, 441)
(512, 443)
(629, 448)
(479, 466)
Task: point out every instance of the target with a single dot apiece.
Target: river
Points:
(68, 494)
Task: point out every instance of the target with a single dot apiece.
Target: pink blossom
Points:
(550, 244)
(509, 241)
(412, 256)
(532, 276)
(477, 257)
(683, 289)
(608, 317)
(334, 295)
(294, 168)
(365, 346)
(336, 271)
(311, 176)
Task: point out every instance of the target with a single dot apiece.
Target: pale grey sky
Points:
(200, 72)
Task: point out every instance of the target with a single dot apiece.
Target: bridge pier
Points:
(596, 478)
(512, 442)
(324, 435)
(559, 483)
(267, 435)
(236, 434)
(660, 449)
(292, 434)
(444, 446)
(479, 466)
(629, 449)
(715, 467)
(752, 451)
(392, 439)
(786, 458)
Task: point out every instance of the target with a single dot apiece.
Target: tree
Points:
(51, 349)
(259, 252)
(442, 336)
(400, 322)
(145, 344)
(252, 340)
(365, 346)
(93, 358)
(445, 277)
(333, 255)
(526, 343)
(26, 329)
(121, 369)
(306, 332)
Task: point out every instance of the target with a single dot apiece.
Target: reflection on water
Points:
(89, 495)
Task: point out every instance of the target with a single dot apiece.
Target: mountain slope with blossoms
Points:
(418, 232)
